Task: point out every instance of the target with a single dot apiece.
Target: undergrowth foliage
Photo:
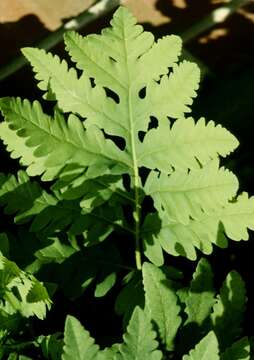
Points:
(120, 138)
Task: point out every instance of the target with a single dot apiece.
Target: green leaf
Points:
(105, 285)
(130, 296)
(21, 292)
(52, 346)
(182, 193)
(240, 350)
(228, 311)
(160, 98)
(55, 142)
(182, 144)
(139, 341)
(50, 213)
(161, 301)
(56, 252)
(198, 300)
(206, 349)
(115, 69)
(78, 344)
(83, 268)
(8, 322)
(205, 229)
(200, 295)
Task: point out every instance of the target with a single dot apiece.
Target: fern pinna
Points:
(128, 79)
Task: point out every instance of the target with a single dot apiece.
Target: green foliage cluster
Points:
(121, 160)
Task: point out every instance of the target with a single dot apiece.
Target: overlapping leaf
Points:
(50, 213)
(21, 292)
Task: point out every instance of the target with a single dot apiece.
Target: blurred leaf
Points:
(240, 350)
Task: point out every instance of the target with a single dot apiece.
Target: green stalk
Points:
(136, 213)
(99, 9)
(217, 16)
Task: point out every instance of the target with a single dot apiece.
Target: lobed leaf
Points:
(181, 193)
(55, 140)
(139, 341)
(185, 145)
(232, 220)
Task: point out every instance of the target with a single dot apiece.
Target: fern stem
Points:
(137, 231)
(136, 213)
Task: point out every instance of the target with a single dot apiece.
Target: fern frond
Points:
(120, 95)
(127, 52)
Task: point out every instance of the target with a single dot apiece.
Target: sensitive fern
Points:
(127, 115)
